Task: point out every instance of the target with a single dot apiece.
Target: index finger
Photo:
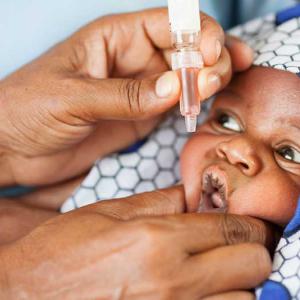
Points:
(157, 203)
(202, 232)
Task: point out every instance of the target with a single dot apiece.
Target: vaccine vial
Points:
(187, 60)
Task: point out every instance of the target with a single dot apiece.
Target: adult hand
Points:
(92, 94)
(124, 249)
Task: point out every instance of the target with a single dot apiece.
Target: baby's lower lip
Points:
(212, 203)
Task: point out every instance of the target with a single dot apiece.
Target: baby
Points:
(244, 159)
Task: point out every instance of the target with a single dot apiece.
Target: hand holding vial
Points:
(193, 50)
(110, 89)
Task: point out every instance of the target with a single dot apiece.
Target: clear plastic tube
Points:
(189, 102)
(187, 61)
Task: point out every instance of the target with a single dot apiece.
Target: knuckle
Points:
(234, 229)
(131, 94)
(154, 238)
(165, 290)
(151, 232)
(168, 294)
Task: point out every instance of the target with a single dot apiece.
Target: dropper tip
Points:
(190, 123)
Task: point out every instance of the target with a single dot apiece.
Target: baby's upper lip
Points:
(215, 187)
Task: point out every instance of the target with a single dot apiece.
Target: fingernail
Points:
(213, 84)
(165, 85)
(218, 49)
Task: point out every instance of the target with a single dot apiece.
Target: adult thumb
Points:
(157, 203)
(125, 99)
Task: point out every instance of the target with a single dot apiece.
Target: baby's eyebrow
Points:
(290, 124)
(296, 126)
(230, 93)
(293, 123)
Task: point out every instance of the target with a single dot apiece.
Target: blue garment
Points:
(288, 14)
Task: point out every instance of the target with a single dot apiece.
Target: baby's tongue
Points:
(217, 200)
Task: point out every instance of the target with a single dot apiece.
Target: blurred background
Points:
(30, 27)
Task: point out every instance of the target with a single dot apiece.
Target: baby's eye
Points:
(289, 153)
(228, 122)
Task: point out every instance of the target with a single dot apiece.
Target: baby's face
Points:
(245, 159)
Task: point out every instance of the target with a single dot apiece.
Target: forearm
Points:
(17, 219)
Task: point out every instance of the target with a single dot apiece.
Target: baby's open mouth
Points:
(214, 190)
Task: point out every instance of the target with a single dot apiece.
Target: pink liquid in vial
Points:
(190, 99)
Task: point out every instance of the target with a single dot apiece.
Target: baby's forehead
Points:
(267, 92)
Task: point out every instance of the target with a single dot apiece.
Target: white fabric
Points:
(276, 47)
(155, 165)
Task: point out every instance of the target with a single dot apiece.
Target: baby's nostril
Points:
(244, 166)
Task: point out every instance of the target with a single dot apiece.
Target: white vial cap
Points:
(184, 15)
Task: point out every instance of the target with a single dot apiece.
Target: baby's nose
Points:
(242, 154)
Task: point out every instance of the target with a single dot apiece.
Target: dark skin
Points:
(56, 116)
(58, 112)
(55, 121)
(252, 135)
(163, 253)
(117, 209)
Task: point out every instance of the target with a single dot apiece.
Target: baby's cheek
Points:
(194, 154)
(197, 154)
(271, 197)
(190, 173)
(199, 147)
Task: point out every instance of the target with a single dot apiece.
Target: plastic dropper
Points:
(187, 60)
